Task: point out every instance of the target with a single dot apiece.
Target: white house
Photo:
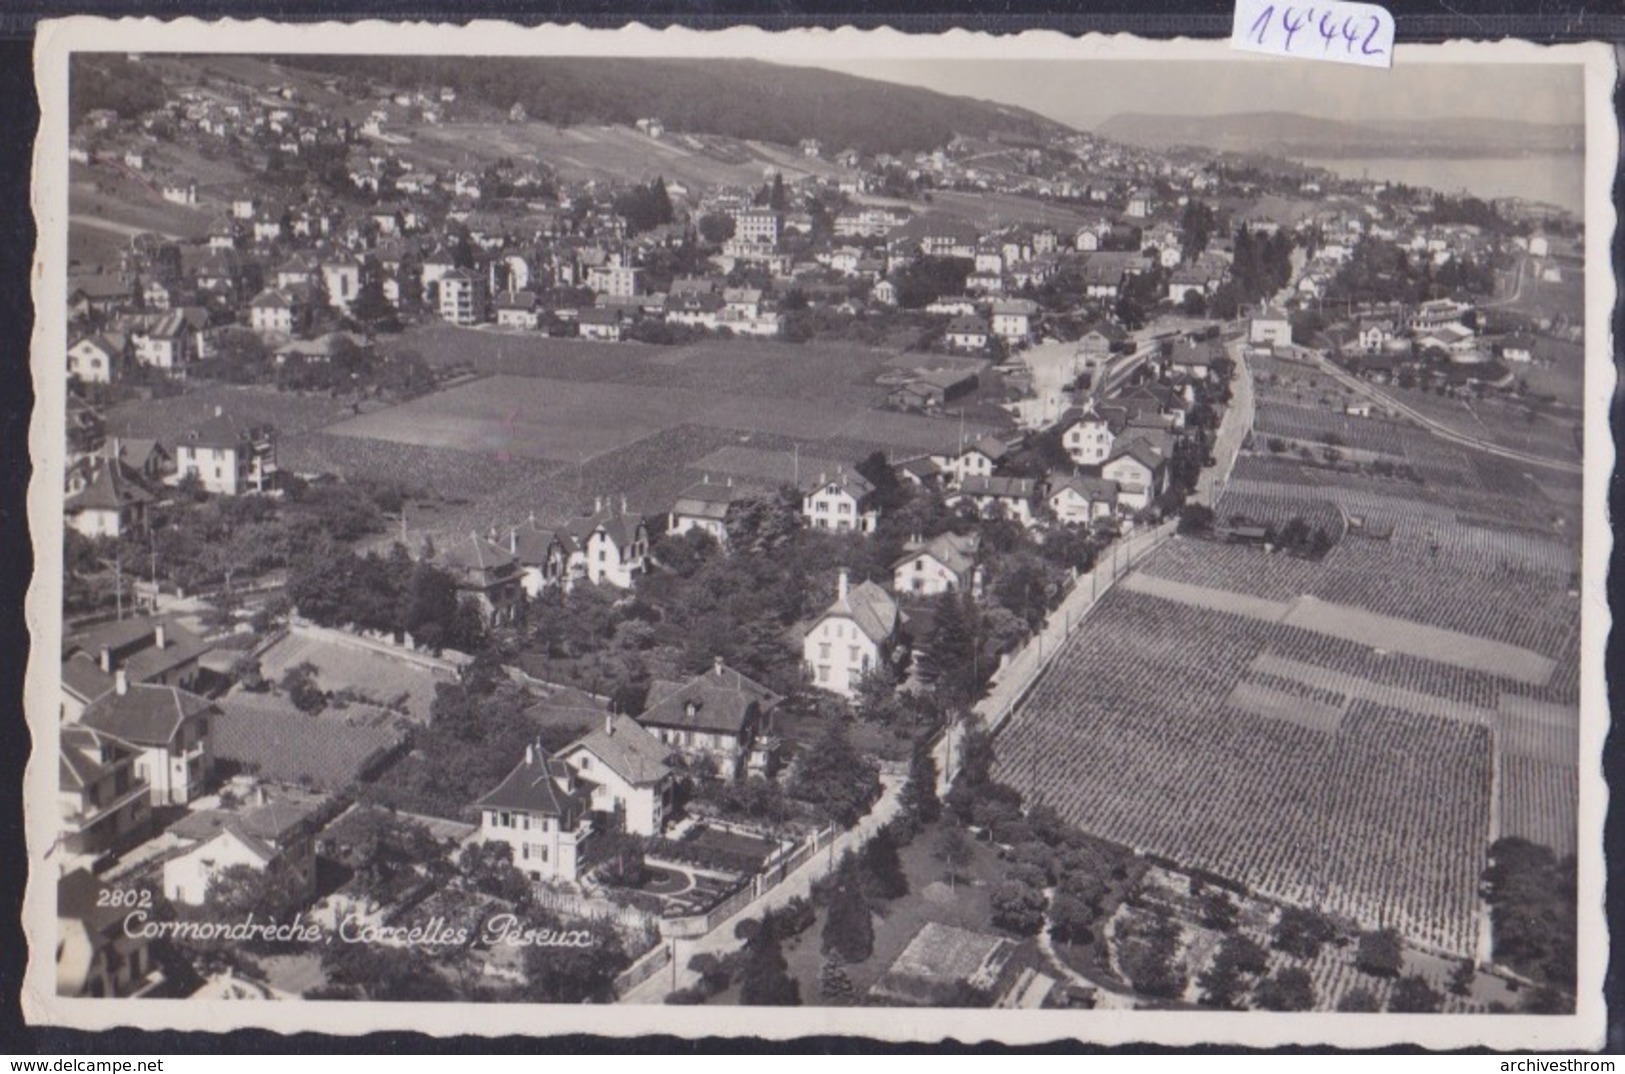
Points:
(1013, 319)
(608, 546)
(945, 563)
(267, 829)
(167, 726)
(1087, 436)
(1140, 473)
(541, 813)
(622, 767)
(998, 497)
(1083, 499)
(704, 507)
(843, 503)
(851, 637)
(1270, 327)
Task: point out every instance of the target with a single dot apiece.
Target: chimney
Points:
(609, 724)
(106, 660)
(597, 505)
(841, 585)
(530, 754)
(716, 665)
(513, 540)
(219, 411)
(160, 636)
(121, 682)
(623, 504)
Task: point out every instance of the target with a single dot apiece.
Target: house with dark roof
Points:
(150, 651)
(998, 497)
(95, 955)
(541, 556)
(167, 727)
(540, 812)
(1087, 434)
(102, 807)
(714, 717)
(485, 571)
(608, 545)
(704, 506)
(110, 504)
(979, 458)
(623, 769)
(268, 826)
(229, 456)
(842, 502)
(945, 563)
(1140, 472)
(853, 636)
(1083, 499)
(97, 359)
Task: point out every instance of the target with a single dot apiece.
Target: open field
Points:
(989, 210)
(290, 413)
(605, 153)
(563, 420)
(103, 191)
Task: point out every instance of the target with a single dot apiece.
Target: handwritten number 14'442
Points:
(1356, 33)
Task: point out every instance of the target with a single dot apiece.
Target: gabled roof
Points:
(617, 526)
(534, 786)
(81, 751)
(146, 714)
(1006, 488)
(848, 481)
(955, 551)
(531, 543)
(707, 499)
(870, 607)
(109, 490)
(991, 446)
(223, 431)
(477, 554)
(717, 700)
(1090, 488)
(626, 749)
(1141, 452)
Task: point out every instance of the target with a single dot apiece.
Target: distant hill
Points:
(744, 99)
(1292, 134)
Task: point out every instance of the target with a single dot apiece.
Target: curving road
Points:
(1437, 428)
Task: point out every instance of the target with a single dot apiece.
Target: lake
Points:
(1558, 180)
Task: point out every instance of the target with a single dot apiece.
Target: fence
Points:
(1018, 675)
(644, 968)
(759, 885)
(596, 909)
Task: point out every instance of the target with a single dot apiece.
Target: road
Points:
(1442, 431)
(721, 940)
(1233, 429)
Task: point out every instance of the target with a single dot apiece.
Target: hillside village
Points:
(639, 716)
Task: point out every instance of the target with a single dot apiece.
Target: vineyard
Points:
(1130, 737)
(1315, 425)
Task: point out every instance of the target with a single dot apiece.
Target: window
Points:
(823, 651)
(823, 673)
(524, 851)
(541, 851)
(852, 653)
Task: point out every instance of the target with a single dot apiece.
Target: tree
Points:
(299, 683)
(1413, 995)
(575, 974)
(765, 980)
(1291, 989)
(835, 779)
(918, 799)
(1018, 906)
(955, 850)
(848, 925)
(1301, 933)
(1219, 911)
(1359, 1001)
(1196, 518)
(1221, 986)
(884, 866)
(1461, 978)
(716, 228)
(1381, 953)
(834, 985)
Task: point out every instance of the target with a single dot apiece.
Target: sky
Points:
(1084, 94)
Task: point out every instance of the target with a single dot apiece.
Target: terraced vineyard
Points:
(1329, 733)
(1130, 737)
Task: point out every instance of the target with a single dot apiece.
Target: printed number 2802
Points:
(125, 898)
(1329, 30)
